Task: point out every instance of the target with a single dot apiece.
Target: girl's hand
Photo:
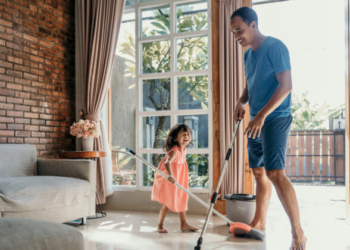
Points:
(171, 179)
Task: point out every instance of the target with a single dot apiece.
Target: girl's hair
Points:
(172, 136)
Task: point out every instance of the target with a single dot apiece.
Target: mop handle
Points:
(214, 196)
(177, 184)
(227, 158)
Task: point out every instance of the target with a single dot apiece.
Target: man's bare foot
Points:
(187, 227)
(258, 226)
(298, 243)
(161, 229)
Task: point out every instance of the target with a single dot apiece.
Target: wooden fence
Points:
(316, 156)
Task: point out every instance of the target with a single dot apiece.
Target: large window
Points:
(161, 77)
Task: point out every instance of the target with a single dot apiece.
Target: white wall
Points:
(347, 107)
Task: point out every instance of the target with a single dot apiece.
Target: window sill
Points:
(124, 188)
(149, 189)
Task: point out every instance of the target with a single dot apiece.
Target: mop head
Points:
(240, 229)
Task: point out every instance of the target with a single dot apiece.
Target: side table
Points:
(92, 155)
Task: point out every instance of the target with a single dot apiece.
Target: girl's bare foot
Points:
(161, 229)
(186, 227)
(298, 243)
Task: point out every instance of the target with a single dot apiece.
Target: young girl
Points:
(175, 166)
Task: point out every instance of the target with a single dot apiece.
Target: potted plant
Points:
(87, 131)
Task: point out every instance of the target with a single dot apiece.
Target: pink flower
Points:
(85, 129)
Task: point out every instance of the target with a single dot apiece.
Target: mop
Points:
(236, 228)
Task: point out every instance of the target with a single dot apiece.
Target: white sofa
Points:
(45, 189)
(25, 234)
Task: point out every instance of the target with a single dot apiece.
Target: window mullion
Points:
(191, 34)
(155, 76)
(137, 89)
(210, 100)
(172, 62)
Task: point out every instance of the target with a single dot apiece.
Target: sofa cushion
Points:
(17, 160)
(24, 234)
(41, 192)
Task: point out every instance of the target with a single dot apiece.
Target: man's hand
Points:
(239, 111)
(171, 179)
(255, 125)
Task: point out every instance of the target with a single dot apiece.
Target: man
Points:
(269, 86)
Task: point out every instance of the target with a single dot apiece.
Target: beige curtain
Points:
(231, 87)
(98, 28)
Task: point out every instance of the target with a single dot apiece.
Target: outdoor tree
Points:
(306, 116)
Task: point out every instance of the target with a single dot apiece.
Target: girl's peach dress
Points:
(166, 193)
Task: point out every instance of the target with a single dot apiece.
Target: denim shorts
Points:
(269, 150)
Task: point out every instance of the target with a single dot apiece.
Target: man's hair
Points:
(247, 14)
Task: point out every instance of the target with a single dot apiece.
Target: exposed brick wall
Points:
(37, 74)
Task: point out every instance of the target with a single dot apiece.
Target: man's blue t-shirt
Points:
(261, 68)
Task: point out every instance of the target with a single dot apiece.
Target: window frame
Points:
(173, 75)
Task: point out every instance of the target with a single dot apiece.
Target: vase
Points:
(88, 144)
